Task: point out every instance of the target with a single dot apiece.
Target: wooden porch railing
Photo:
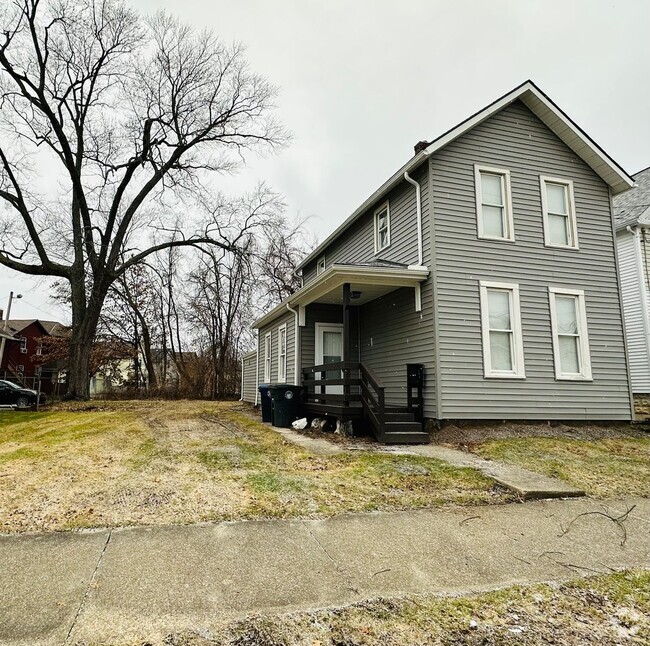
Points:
(363, 393)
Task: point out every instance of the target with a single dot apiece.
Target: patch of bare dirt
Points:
(469, 433)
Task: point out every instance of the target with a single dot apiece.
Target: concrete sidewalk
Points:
(142, 583)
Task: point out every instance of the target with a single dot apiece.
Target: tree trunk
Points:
(79, 368)
(85, 317)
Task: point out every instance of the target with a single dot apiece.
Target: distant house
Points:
(487, 261)
(23, 341)
(632, 216)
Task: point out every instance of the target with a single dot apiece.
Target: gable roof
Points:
(52, 328)
(633, 207)
(544, 109)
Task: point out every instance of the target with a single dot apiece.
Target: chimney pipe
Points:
(420, 146)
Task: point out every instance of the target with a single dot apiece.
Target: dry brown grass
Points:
(605, 468)
(161, 462)
(602, 610)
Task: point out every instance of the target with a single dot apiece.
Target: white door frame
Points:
(318, 350)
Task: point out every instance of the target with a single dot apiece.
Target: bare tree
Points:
(130, 117)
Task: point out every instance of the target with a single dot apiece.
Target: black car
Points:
(13, 395)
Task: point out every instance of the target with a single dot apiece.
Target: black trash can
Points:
(266, 402)
(287, 404)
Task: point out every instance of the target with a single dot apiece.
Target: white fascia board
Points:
(336, 275)
(410, 165)
(570, 133)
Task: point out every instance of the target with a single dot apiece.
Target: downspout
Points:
(642, 286)
(418, 209)
(296, 343)
(257, 369)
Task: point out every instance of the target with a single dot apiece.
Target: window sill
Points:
(504, 376)
(494, 239)
(561, 246)
(572, 378)
(378, 251)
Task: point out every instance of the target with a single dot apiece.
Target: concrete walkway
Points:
(141, 583)
(527, 484)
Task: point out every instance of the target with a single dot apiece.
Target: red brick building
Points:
(23, 338)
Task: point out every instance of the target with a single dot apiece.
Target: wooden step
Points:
(399, 417)
(404, 433)
(398, 437)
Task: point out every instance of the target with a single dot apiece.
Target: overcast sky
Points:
(362, 81)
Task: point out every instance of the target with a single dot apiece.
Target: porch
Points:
(363, 397)
(347, 337)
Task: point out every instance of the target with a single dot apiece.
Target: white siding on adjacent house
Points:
(635, 326)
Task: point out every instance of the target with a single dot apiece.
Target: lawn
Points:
(155, 462)
(606, 609)
(604, 468)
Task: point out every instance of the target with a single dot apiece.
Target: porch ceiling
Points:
(371, 282)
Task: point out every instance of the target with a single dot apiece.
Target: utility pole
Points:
(4, 326)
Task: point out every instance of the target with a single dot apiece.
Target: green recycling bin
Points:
(287, 404)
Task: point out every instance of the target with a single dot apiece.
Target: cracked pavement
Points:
(144, 582)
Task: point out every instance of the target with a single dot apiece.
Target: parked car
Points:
(12, 394)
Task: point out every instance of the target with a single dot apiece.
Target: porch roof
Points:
(370, 281)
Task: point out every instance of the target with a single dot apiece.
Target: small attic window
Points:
(382, 228)
(320, 265)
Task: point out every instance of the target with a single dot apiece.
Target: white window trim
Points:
(583, 346)
(320, 261)
(507, 194)
(267, 357)
(385, 206)
(518, 371)
(282, 352)
(573, 225)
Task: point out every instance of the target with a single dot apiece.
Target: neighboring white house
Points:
(632, 216)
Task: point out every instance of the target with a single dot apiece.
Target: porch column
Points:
(346, 341)
(346, 321)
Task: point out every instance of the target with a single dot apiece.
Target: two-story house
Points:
(489, 259)
(23, 342)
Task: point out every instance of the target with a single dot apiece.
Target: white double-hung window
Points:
(493, 203)
(570, 338)
(267, 358)
(282, 353)
(382, 227)
(503, 350)
(558, 208)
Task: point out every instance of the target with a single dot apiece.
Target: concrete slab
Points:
(159, 580)
(153, 580)
(43, 580)
(473, 549)
(528, 484)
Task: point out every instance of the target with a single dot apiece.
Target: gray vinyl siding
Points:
(394, 334)
(515, 139)
(249, 381)
(632, 292)
(357, 244)
(289, 319)
(400, 335)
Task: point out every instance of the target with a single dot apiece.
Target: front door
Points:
(329, 349)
